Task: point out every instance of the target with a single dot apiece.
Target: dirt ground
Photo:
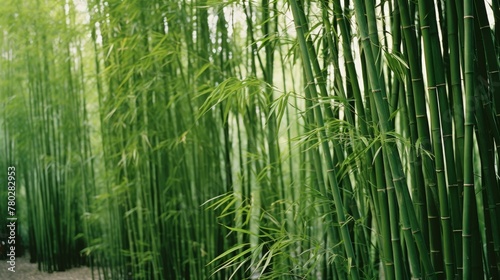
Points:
(29, 271)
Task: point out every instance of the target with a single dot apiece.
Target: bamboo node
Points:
(408, 26)
(398, 179)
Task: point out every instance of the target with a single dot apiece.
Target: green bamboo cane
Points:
(479, 265)
(468, 140)
(458, 117)
(387, 199)
(374, 40)
(454, 59)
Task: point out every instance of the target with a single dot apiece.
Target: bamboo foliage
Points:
(264, 139)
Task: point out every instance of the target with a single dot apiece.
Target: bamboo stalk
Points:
(468, 139)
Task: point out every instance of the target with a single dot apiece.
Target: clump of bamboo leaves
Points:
(264, 139)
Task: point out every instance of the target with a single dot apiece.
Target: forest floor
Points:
(29, 271)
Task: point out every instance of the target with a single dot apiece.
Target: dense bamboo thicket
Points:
(44, 132)
(271, 139)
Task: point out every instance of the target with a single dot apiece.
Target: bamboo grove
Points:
(271, 139)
